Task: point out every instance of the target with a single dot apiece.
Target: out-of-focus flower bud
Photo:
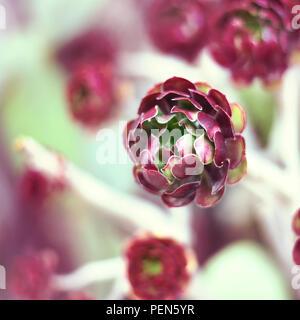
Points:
(90, 94)
(253, 38)
(186, 143)
(92, 46)
(36, 187)
(177, 27)
(30, 275)
(158, 268)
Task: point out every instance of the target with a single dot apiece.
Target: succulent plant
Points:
(91, 94)
(186, 143)
(177, 27)
(157, 268)
(30, 276)
(253, 38)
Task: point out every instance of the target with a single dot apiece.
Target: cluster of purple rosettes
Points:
(251, 38)
(186, 142)
(206, 153)
(296, 229)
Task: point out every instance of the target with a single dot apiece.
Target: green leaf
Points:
(244, 271)
(260, 105)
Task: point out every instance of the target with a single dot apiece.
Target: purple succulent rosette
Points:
(253, 38)
(177, 27)
(186, 143)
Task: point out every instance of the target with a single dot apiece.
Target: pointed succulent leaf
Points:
(220, 149)
(204, 196)
(182, 196)
(236, 149)
(217, 176)
(151, 179)
(210, 125)
(221, 100)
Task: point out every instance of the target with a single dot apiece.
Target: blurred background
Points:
(243, 245)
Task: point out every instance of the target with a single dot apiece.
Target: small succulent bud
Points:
(31, 274)
(157, 267)
(186, 143)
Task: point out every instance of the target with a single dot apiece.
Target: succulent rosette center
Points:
(186, 143)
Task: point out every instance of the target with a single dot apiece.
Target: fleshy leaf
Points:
(238, 117)
(189, 165)
(182, 196)
(151, 179)
(217, 176)
(167, 169)
(187, 103)
(149, 102)
(225, 123)
(236, 149)
(204, 196)
(238, 173)
(221, 100)
(151, 113)
(209, 124)
(164, 118)
(204, 101)
(203, 87)
(191, 115)
(220, 149)
(178, 84)
(204, 149)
